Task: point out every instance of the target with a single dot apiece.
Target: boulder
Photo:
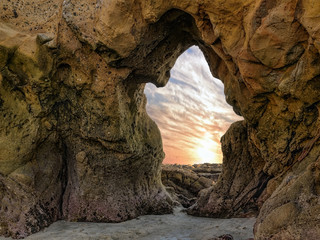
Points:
(184, 182)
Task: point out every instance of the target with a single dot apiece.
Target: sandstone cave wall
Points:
(76, 142)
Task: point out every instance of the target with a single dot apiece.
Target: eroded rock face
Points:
(239, 189)
(76, 142)
(184, 183)
(283, 218)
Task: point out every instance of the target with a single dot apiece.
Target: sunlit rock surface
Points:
(76, 142)
(184, 182)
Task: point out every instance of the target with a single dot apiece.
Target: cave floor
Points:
(174, 226)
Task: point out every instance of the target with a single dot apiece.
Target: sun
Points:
(206, 150)
(205, 155)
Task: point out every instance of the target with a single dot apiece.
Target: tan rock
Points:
(274, 47)
(72, 76)
(185, 182)
(283, 218)
(242, 182)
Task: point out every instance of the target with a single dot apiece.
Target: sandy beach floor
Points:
(152, 227)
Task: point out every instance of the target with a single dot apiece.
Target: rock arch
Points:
(76, 142)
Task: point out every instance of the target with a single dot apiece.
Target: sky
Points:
(190, 111)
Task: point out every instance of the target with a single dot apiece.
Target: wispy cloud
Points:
(191, 111)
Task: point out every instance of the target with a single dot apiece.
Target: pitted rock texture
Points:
(76, 142)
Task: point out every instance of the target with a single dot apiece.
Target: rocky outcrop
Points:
(207, 170)
(283, 218)
(240, 190)
(184, 182)
(76, 142)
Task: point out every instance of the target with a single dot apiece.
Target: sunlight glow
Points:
(207, 150)
(205, 155)
(191, 111)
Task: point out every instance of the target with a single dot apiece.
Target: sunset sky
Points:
(191, 111)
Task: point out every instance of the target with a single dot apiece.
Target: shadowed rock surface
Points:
(238, 191)
(76, 142)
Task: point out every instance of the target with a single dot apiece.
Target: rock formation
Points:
(76, 142)
(239, 189)
(207, 170)
(184, 182)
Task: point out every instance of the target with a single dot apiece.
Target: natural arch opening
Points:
(79, 145)
(192, 115)
(111, 150)
(175, 32)
(191, 111)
